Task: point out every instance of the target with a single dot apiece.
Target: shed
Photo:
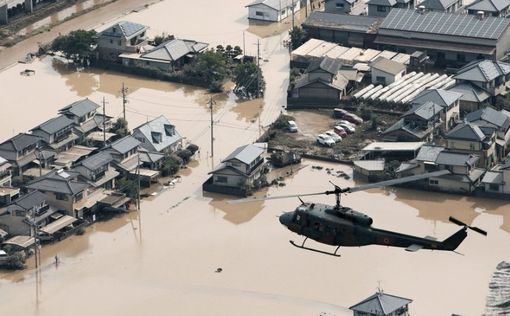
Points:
(386, 71)
(392, 150)
(367, 169)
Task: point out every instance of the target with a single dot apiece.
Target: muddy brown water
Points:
(163, 259)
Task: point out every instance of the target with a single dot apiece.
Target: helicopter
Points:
(338, 225)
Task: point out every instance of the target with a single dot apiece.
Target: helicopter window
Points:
(297, 218)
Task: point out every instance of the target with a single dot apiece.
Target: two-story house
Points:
(64, 191)
(488, 117)
(84, 115)
(471, 138)
(124, 152)
(122, 37)
(5, 173)
(238, 172)
(158, 135)
(353, 7)
(57, 133)
(97, 170)
(272, 10)
(496, 8)
(498, 179)
(20, 217)
(448, 100)
(20, 151)
(448, 6)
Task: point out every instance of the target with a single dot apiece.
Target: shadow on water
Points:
(234, 213)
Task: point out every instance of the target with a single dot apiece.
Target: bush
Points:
(14, 262)
(120, 127)
(19, 181)
(128, 187)
(282, 121)
(375, 121)
(171, 165)
(184, 154)
(366, 114)
(193, 148)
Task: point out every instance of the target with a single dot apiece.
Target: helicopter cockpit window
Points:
(297, 218)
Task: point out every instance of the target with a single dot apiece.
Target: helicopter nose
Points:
(286, 218)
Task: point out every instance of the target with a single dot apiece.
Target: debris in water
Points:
(498, 300)
(218, 270)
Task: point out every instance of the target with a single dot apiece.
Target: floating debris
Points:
(498, 300)
(218, 270)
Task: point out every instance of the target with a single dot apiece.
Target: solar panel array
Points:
(445, 23)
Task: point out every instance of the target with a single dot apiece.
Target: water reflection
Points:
(234, 213)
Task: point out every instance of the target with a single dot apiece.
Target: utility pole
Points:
(258, 68)
(292, 12)
(212, 126)
(244, 48)
(124, 100)
(138, 180)
(104, 122)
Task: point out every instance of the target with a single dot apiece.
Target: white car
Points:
(333, 136)
(292, 126)
(348, 128)
(325, 140)
(346, 122)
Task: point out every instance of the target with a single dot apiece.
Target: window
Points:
(259, 13)
(472, 146)
(283, 12)
(433, 182)
(381, 8)
(156, 137)
(61, 196)
(494, 187)
(339, 5)
(120, 43)
(221, 179)
(169, 130)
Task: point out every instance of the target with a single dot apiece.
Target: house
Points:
(498, 179)
(382, 304)
(472, 97)
(471, 138)
(448, 100)
(97, 170)
(449, 6)
(272, 10)
(496, 8)
(238, 173)
(20, 217)
(386, 71)
(5, 173)
(417, 124)
(353, 7)
(368, 170)
(122, 37)
(20, 151)
(166, 57)
(158, 135)
(64, 191)
(380, 8)
(488, 75)
(344, 29)
(84, 115)
(442, 36)
(124, 152)
(489, 117)
(400, 151)
(321, 82)
(57, 133)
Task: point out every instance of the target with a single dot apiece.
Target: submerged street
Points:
(162, 260)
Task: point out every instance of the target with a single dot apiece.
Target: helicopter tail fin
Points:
(452, 242)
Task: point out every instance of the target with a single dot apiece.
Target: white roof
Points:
(307, 47)
(57, 225)
(321, 50)
(337, 51)
(350, 55)
(393, 146)
(367, 55)
(370, 165)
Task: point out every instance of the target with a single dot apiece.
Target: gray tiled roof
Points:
(175, 49)
(440, 5)
(489, 5)
(380, 304)
(29, 200)
(334, 21)
(456, 159)
(466, 131)
(246, 154)
(339, 83)
(444, 98)
(80, 108)
(492, 177)
(124, 29)
(429, 153)
(425, 110)
(275, 4)
(20, 142)
(445, 24)
(387, 3)
(96, 161)
(159, 125)
(483, 71)
(59, 181)
(488, 114)
(54, 125)
(470, 92)
(326, 63)
(387, 65)
(125, 144)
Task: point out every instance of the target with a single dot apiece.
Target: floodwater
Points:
(163, 259)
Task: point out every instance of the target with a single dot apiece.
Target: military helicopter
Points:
(342, 226)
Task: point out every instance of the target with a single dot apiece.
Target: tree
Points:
(209, 68)
(128, 187)
(297, 37)
(245, 78)
(185, 155)
(120, 127)
(77, 45)
(159, 39)
(171, 165)
(193, 148)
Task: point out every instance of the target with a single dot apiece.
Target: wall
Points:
(331, 6)
(506, 181)
(269, 14)
(148, 64)
(372, 10)
(503, 45)
(318, 91)
(447, 185)
(388, 77)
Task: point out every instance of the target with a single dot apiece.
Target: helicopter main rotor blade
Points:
(264, 198)
(398, 181)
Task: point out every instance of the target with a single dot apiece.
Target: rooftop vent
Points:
(480, 14)
(421, 9)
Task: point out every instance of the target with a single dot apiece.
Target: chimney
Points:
(480, 14)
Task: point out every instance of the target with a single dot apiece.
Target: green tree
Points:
(193, 148)
(209, 68)
(159, 39)
(171, 165)
(77, 45)
(128, 187)
(245, 78)
(237, 51)
(297, 37)
(185, 155)
(120, 127)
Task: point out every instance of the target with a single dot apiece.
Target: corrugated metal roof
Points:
(445, 24)
(246, 154)
(334, 21)
(380, 304)
(57, 225)
(370, 165)
(80, 108)
(483, 71)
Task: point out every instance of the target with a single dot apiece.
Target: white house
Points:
(386, 71)
(158, 135)
(272, 10)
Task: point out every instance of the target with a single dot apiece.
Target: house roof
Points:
(425, 110)
(160, 133)
(456, 159)
(388, 66)
(150, 157)
(125, 144)
(274, 4)
(95, 161)
(124, 29)
(246, 154)
(175, 49)
(489, 5)
(20, 142)
(440, 5)
(418, 132)
(339, 83)
(370, 165)
(466, 131)
(59, 181)
(488, 114)
(54, 125)
(444, 98)
(327, 64)
(470, 92)
(380, 304)
(483, 71)
(442, 23)
(80, 108)
(28, 201)
(387, 3)
(429, 153)
(493, 177)
(505, 165)
(334, 21)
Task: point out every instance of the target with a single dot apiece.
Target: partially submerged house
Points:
(272, 10)
(122, 37)
(97, 170)
(496, 8)
(449, 6)
(57, 133)
(382, 304)
(85, 117)
(474, 139)
(386, 71)
(20, 151)
(158, 135)
(497, 180)
(238, 173)
(490, 118)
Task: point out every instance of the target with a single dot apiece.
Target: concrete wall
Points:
(373, 10)
(447, 185)
(389, 78)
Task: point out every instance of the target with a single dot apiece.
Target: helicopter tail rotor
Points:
(476, 229)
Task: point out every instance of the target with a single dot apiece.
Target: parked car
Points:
(353, 118)
(292, 126)
(337, 138)
(325, 140)
(348, 128)
(340, 131)
(339, 113)
(345, 122)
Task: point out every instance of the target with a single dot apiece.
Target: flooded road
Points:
(163, 259)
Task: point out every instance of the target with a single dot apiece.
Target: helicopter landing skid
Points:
(302, 246)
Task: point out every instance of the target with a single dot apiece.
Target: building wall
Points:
(45, 136)
(337, 6)
(389, 78)
(375, 10)
(506, 181)
(448, 185)
(231, 180)
(110, 48)
(67, 206)
(263, 12)
(503, 45)
(319, 91)
(148, 64)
